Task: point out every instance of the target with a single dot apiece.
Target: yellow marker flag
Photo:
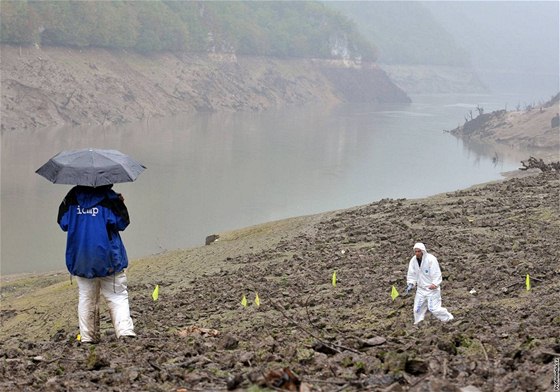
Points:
(155, 294)
(334, 279)
(394, 293)
(257, 299)
(528, 282)
(244, 301)
(79, 338)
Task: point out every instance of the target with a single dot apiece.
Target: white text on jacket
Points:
(92, 211)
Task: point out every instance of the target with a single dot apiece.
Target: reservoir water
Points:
(209, 173)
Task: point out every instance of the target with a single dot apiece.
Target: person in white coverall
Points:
(424, 273)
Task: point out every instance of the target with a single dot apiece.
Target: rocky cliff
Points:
(44, 87)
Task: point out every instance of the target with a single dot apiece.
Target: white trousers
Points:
(114, 290)
(432, 302)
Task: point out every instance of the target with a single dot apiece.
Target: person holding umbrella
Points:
(93, 214)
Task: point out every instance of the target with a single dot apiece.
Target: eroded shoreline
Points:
(487, 238)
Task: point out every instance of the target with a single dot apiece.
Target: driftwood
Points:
(335, 347)
(534, 163)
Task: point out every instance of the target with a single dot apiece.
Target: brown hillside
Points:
(55, 86)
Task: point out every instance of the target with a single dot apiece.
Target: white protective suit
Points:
(423, 276)
(115, 291)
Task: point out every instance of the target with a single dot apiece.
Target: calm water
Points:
(209, 173)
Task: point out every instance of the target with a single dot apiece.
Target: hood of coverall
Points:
(422, 247)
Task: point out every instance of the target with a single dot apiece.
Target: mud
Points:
(306, 334)
(51, 86)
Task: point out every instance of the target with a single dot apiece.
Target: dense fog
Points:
(512, 45)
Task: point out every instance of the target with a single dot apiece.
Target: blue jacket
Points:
(93, 218)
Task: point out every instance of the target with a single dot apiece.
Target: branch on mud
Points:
(334, 382)
(157, 367)
(551, 353)
(484, 350)
(333, 346)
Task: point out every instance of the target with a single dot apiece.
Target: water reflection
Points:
(213, 172)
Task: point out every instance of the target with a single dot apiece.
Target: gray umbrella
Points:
(90, 167)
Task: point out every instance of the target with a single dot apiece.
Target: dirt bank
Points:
(49, 86)
(517, 133)
(352, 336)
(434, 79)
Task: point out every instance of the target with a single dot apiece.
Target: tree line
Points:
(279, 29)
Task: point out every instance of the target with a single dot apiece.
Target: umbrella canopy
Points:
(91, 167)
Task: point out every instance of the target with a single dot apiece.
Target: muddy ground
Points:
(198, 337)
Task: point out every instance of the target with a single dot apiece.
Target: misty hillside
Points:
(513, 44)
(509, 35)
(405, 32)
(278, 29)
(464, 46)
